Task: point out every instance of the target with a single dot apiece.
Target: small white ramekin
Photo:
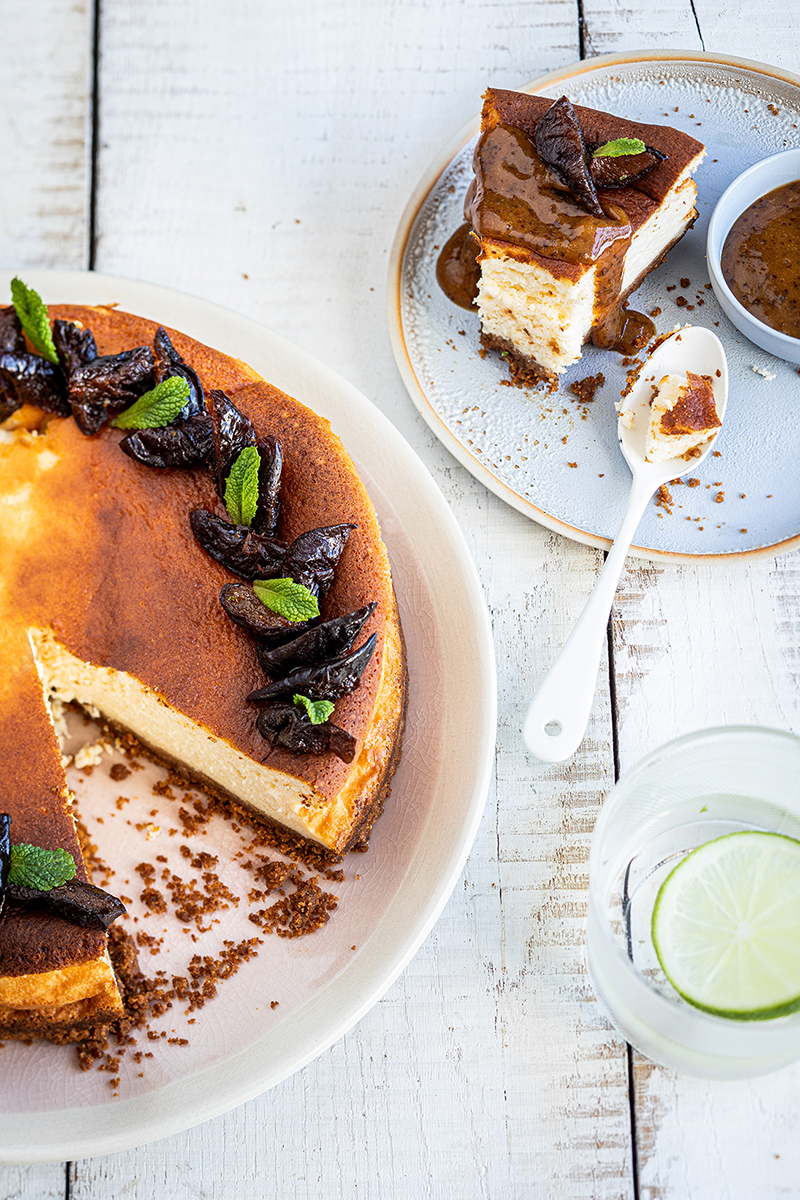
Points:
(756, 181)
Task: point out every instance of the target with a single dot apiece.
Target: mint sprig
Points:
(618, 147)
(33, 318)
(156, 408)
(33, 867)
(318, 710)
(241, 486)
(286, 598)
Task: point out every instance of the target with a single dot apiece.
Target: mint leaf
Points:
(241, 487)
(318, 710)
(157, 408)
(287, 598)
(32, 313)
(618, 147)
(33, 867)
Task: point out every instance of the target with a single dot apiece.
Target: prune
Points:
(287, 726)
(264, 626)
(269, 481)
(81, 903)
(315, 646)
(11, 336)
(75, 347)
(5, 855)
(232, 432)
(168, 362)
(312, 557)
(243, 552)
(559, 141)
(107, 384)
(322, 681)
(182, 444)
(30, 379)
(621, 169)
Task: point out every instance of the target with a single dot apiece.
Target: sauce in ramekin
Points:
(761, 259)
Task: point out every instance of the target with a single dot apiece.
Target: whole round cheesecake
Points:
(108, 598)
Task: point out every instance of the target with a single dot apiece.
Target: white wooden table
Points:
(260, 154)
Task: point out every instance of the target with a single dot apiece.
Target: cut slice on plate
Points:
(726, 926)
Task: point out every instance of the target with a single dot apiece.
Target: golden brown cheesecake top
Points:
(695, 408)
(514, 205)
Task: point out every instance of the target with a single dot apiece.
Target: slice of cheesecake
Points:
(108, 598)
(555, 275)
(683, 416)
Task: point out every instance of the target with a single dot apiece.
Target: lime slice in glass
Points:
(726, 926)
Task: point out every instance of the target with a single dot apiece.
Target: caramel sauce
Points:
(761, 259)
(517, 199)
(457, 268)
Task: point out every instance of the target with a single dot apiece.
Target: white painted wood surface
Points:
(260, 155)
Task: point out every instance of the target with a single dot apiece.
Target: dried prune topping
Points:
(81, 903)
(312, 557)
(325, 641)
(559, 141)
(322, 681)
(5, 856)
(182, 444)
(168, 362)
(104, 386)
(232, 432)
(264, 626)
(75, 347)
(269, 481)
(287, 726)
(616, 171)
(11, 336)
(243, 552)
(30, 379)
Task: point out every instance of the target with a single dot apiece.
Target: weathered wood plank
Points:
(699, 645)
(45, 134)
(696, 646)
(769, 33)
(33, 1183)
(45, 145)
(614, 26)
(270, 160)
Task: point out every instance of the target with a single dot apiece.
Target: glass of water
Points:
(687, 793)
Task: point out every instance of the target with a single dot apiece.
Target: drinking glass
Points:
(697, 788)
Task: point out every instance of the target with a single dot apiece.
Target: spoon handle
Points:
(564, 699)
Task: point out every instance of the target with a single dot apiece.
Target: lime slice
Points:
(726, 926)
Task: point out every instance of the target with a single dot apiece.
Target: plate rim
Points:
(395, 318)
(430, 875)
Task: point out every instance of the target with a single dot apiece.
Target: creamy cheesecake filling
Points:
(289, 801)
(545, 316)
(661, 230)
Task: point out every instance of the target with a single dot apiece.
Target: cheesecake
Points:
(683, 416)
(566, 225)
(111, 598)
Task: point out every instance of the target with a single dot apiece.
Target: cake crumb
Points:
(586, 389)
(664, 498)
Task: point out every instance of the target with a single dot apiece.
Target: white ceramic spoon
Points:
(557, 718)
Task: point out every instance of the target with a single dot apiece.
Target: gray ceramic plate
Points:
(556, 461)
